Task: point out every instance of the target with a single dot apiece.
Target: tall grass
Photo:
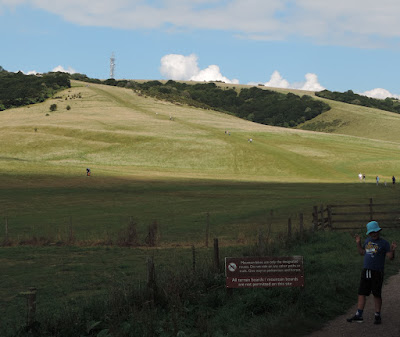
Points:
(188, 303)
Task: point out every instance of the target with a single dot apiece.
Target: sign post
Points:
(264, 272)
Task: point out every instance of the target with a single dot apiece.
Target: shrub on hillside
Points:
(128, 237)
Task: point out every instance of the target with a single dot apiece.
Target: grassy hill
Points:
(357, 121)
(158, 161)
(348, 119)
(118, 133)
(181, 167)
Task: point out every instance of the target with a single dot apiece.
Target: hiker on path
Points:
(377, 180)
(374, 249)
(360, 176)
(393, 180)
(88, 172)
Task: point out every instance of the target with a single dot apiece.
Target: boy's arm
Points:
(390, 254)
(359, 247)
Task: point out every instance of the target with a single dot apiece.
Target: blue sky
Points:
(307, 44)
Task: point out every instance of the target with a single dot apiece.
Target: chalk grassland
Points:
(348, 119)
(118, 133)
(156, 161)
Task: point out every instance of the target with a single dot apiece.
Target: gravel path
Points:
(390, 326)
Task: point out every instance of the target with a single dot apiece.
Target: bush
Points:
(53, 107)
(128, 237)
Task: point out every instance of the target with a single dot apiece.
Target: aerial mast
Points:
(112, 65)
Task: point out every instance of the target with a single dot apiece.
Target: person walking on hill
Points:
(377, 180)
(375, 249)
(393, 180)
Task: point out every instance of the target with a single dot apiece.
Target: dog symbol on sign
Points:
(232, 267)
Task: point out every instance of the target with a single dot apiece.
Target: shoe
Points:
(377, 320)
(356, 318)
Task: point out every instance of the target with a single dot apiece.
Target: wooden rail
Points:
(331, 216)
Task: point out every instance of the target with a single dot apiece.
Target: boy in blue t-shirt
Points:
(374, 249)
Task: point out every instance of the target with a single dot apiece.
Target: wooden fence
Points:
(355, 216)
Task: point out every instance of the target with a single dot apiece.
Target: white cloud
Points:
(346, 22)
(62, 70)
(379, 93)
(277, 81)
(312, 83)
(180, 67)
(212, 73)
(31, 72)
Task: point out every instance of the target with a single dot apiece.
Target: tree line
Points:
(254, 104)
(18, 89)
(388, 104)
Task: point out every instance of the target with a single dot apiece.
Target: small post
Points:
(151, 278)
(207, 228)
(216, 255)
(269, 225)
(321, 211)
(70, 232)
(289, 228)
(261, 242)
(6, 221)
(315, 218)
(31, 301)
(301, 224)
(329, 209)
(371, 211)
(194, 258)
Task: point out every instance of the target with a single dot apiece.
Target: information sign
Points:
(263, 272)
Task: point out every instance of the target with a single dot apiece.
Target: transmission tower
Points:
(112, 65)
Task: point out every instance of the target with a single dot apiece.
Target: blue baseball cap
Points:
(373, 227)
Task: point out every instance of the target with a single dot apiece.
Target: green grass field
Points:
(149, 167)
(156, 161)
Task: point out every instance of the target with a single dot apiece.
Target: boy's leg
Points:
(378, 303)
(361, 302)
(358, 317)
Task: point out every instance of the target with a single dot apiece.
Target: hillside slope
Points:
(121, 133)
(347, 119)
(357, 121)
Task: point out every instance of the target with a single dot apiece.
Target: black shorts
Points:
(371, 281)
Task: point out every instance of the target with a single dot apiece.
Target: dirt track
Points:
(390, 326)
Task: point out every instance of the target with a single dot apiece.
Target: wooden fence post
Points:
(321, 211)
(261, 242)
(315, 218)
(301, 224)
(289, 228)
(329, 209)
(70, 232)
(194, 258)
(216, 255)
(371, 211)
(31, 302)
(6, 221)
(151, 278)
(207, 228)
